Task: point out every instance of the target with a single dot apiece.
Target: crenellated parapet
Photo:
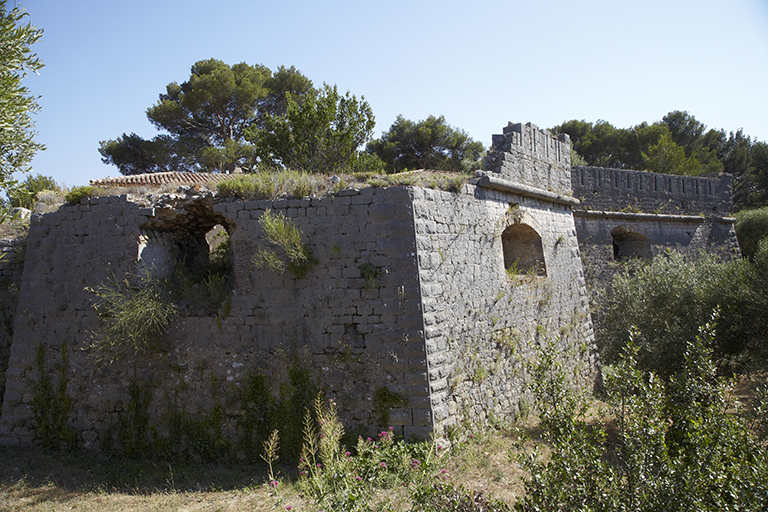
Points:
(626, 190)
(528, 155)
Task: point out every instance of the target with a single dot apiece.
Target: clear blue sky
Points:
(480, 64)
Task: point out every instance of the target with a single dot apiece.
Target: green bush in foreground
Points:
(677, 446)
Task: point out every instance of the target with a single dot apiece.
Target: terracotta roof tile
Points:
(157, 179)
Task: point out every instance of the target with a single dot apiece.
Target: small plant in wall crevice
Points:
(281, 231)
(372, 275)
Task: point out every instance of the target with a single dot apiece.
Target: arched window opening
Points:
(630, 244)
(523, 253)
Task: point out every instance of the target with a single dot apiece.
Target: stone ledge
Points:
(524, 190)
(651, 216)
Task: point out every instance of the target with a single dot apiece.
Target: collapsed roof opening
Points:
(630, 244)
(189, 247)
(186, 235)
(523, 252)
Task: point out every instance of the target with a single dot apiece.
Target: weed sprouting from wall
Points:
(295, 398)
(133, 426)
(51, 405)
(201, 436)
(257, 418)
(281, 231)
(137, 310)
(372, 275)
(384, 401)
(135, 315)
(197, 436)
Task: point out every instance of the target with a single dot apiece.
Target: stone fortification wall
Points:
(622, 190)
(11, 266)
(484, 324)
(360, 339)
(600, 234)
(526, 155)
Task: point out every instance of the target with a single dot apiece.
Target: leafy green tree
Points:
(427, 144)
(752, 188)
(322, 134)
(667, 157)
(25, 195)
(691, 135)
(285, 80)
(17, 144)
(206, 118)
(600, 144)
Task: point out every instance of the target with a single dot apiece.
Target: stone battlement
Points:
(605, 189)
(528, 155)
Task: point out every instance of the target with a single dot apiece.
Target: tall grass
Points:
(271, 185)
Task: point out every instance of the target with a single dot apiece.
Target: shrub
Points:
(666, 298)
(75, 195)
(135, 314)
(26, 194)
(675, 447)
(751, 227)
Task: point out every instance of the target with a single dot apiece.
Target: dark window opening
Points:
(523, 253)
(630, 244)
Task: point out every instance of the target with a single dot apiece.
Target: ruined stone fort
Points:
(423, 311)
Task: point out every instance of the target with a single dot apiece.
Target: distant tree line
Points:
(678, 144)
(228, 117)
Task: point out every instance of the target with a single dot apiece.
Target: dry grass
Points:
(33, 480)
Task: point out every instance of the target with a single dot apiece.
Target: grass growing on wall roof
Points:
(298, 184)
(271, 185)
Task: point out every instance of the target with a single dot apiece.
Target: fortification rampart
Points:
(435, 330)
(422, 310)
(623, 190)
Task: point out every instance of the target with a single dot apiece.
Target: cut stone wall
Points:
(484, 325)
(11, 266)
(423, 311)
(526, 155)
(623, 190)
(355, 336)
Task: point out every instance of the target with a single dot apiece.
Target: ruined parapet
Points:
(527, 155)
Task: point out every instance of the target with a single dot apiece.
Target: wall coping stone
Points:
(502, 185)
(652, 216)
